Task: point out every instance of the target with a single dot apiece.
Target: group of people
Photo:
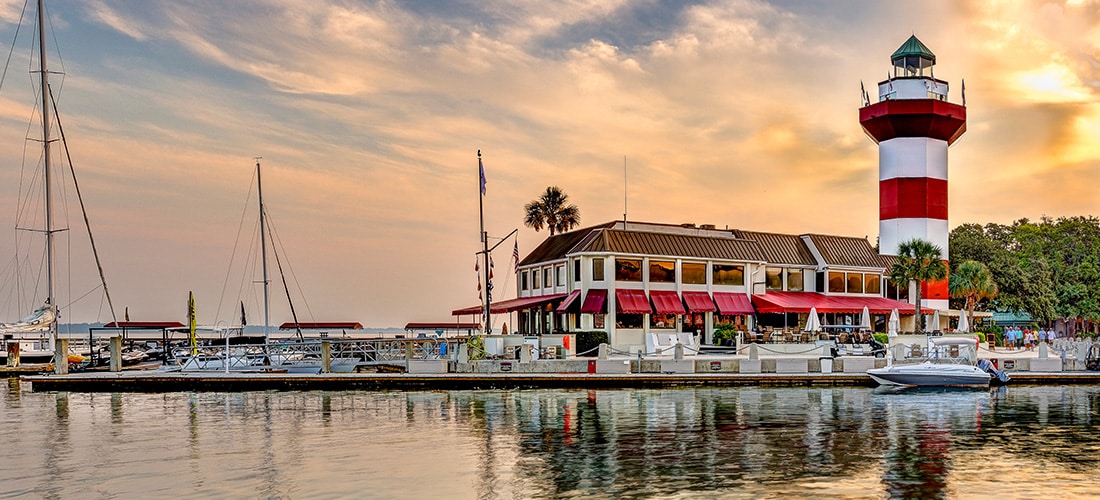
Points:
(1027, 338)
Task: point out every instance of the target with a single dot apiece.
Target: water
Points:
(1019, 442)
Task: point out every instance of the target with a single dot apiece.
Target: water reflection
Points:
(849, 442)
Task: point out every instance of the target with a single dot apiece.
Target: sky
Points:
(368, 117)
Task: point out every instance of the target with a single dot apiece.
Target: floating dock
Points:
(154, 381)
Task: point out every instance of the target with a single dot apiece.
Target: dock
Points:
(155, 381)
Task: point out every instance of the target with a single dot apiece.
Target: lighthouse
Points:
(913, 125)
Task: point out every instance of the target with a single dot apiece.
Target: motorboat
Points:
(950, 362)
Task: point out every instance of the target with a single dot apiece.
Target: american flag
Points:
(515, 255)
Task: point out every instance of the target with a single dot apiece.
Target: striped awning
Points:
(733, 303)
(666, 302)
(568, 301)
(632, 302)
(594, 302)
(699, 302)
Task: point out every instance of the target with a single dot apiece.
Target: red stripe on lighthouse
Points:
(912, 198)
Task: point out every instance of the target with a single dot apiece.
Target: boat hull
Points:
(931, 375)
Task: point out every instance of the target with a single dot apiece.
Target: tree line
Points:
(1048, 269)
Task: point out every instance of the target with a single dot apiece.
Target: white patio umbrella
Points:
(964, 323)
(865, 321)
(813, 323)
(893, 325)
(935, 323)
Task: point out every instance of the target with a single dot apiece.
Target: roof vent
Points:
(688, 225)
(707, 226)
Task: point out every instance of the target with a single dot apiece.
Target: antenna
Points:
(624, 191)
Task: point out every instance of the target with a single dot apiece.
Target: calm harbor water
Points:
(1016, 442)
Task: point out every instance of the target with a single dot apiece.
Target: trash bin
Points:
(826, 364)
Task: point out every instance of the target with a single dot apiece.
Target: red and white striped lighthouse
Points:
(913, 124)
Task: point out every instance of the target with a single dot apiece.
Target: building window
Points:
(855, 283)
(836, 282)
(729, 275)
(546, 278)
(872, 284)
(523, 280)
(629, 320)
(561, 276)
(773, 278)
(662, 321)
(597, 269)
(628, 269)
(694, 273)
(599, 321)
(662, 271)
(534, 279)
(794, 280)
(576, 270)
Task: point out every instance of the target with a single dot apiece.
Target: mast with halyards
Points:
(45, 85)
(263, 254)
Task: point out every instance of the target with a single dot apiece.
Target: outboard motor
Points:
(999, 376)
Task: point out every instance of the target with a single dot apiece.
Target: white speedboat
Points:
(931, 374)
(951, 362)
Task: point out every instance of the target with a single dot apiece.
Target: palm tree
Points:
(972, 281)
(552, 210)
(920, 261)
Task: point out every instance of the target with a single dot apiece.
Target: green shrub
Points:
(590, 341)
(724, 332)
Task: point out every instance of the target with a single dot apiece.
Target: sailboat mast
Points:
(45, 84)
(263, 252)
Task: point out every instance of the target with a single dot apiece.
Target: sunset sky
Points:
(369, 115)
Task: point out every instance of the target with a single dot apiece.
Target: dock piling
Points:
(61, 357)
(116, 354)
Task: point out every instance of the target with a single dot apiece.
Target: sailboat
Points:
(266, 357)
(34, 336)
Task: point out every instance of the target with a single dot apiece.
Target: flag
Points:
(490, 269)
(890, 82)
(515, 255)
(964, 91)
(481, 171)
(243, 322)
(191, 323)
(127, 313)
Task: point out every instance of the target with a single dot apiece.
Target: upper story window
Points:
(628, 269)
(872, 283)
(795, 280)
(576, 269)
(546, 278)
(694, 273)
(523, 280)
(535, 279)
(855, 283)
(597, 269)
(836, 282)
(560, 279)
(725, 274)
(773, 278)
(661, 271)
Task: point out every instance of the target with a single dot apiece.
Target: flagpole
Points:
(484, 241)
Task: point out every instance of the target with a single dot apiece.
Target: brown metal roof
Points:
(846, 251)
(778, 248)
(681, 245)
(558, 246)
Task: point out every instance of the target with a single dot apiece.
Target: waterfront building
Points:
(632, 279)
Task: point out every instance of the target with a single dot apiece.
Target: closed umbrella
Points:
(935, 323)
(865, 321)
(964, 323)
(893, 325)
(813, 323)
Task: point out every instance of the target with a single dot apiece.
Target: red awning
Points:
(632, 302)
(699, 302)
(569, 300)
(733, 303)
(594, 302)
(666, 302)
(506, 306)
(801, 302)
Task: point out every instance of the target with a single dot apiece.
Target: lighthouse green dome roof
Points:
(913, 48)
